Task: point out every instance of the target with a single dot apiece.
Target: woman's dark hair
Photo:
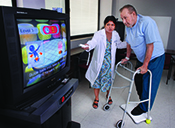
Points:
(130, 8)
(110, 18)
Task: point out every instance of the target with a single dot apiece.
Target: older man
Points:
(144, 39)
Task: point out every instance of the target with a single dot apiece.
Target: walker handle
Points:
(138, 71)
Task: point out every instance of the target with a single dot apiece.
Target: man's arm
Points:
(128, 50)
(149, 51)
(127, 54)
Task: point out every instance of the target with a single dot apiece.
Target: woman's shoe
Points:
(109, 100)
(95, 104)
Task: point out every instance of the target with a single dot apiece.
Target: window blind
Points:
(83, 17)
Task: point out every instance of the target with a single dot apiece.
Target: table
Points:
(169, 51)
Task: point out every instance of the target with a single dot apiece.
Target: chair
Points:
(173, 58)
(168, 65)
(120, 54)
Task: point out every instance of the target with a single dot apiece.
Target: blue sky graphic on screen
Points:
(43, 48)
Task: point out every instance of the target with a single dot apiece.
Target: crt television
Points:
(35, 54)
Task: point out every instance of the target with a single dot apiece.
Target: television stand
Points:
(53, 113)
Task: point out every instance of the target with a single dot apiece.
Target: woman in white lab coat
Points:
(101, 68)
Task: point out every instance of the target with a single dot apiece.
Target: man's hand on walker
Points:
(143, 69)
(124, 61)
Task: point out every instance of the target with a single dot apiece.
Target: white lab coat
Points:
(98, 43)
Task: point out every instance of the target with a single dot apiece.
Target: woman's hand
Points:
(86, 48)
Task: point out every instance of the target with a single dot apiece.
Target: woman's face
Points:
(109, 27)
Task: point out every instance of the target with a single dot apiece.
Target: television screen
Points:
(43, 47)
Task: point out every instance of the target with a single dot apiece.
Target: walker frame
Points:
(136, 119)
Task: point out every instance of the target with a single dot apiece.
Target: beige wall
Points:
(105, 10)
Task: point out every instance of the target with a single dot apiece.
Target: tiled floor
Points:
(163, 111)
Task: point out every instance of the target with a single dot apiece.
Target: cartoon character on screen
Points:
(56, 30)
(34, 52)
(61, 47)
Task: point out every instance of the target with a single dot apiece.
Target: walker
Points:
(128, 107)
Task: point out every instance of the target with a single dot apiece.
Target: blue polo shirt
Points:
(145, 31)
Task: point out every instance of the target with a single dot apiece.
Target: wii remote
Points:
(83, 46)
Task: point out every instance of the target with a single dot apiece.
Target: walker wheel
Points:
(106, 107)
(148, 121)
(119, 123)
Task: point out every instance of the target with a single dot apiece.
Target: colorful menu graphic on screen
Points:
(43, 48)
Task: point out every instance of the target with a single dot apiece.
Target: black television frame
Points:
(12, 94)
